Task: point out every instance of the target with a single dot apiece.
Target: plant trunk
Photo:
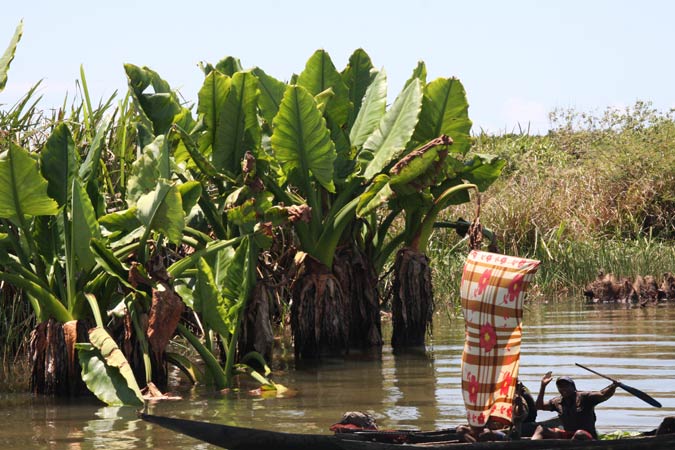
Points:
(319, 312)
(257, 334)
(55, 368)
(358, 280)
(413, 302)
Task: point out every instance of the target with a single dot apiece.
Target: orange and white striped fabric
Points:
(492, 293)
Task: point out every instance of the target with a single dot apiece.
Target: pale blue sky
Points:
(518, 60)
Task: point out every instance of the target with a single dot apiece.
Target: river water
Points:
(413, 391)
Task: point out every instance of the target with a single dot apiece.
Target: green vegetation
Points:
(595, 193)
(125, 225)
(131, 223)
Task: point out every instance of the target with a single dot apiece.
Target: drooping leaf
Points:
(393, 132)
(271, 93)
(8, 56)
(421, 168)
(84, 225)
(23, 191)
(107, 372)
(373, 107)
(445, 110)
(358, 75)
(238, 130)
(320, 74)
(301, 141)
(49, 305)
(162, 210)
(157, 108)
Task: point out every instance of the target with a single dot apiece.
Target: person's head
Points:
(566, 386)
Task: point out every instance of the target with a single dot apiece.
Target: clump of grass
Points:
(596, 193)
(611, 176)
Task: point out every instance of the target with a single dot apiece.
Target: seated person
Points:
(576, 409)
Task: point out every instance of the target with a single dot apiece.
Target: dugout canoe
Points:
(241, 438)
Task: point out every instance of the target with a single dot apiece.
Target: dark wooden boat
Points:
(240, 438)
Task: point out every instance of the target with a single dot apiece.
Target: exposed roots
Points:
(413, 302)
(256, 331)
(55, 370)
(319, 317)
(359, 283)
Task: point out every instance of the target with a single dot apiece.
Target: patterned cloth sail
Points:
(492, 292)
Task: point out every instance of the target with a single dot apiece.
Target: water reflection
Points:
(411, 390)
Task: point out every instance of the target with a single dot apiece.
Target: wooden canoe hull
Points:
(241, 438)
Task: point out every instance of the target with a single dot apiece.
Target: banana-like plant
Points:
(49, 219)
(421, 185)
(340, 150)
(212, 149)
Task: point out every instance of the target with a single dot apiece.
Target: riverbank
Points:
(595, 193)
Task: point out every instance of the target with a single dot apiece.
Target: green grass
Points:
(596, 193)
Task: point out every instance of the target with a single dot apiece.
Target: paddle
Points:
(636, 392)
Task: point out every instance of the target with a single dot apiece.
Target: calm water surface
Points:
(403, 391)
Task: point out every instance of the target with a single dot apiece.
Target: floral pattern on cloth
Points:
(492, 292)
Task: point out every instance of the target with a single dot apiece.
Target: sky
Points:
(518, 60)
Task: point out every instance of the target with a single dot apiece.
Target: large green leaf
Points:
(23, 191)
(208, 302)
(319, 75)
(235, 286)
(301, 141)
(393, 132)
(84, 225)
(238, 130)
(358, 75)
(271, 93)
(212, 97)
(107, 372)
(445, 110)
(373, 107)
(8, 56)
(162, 210)
(59, 163)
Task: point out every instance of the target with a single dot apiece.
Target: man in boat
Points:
(576, 409)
